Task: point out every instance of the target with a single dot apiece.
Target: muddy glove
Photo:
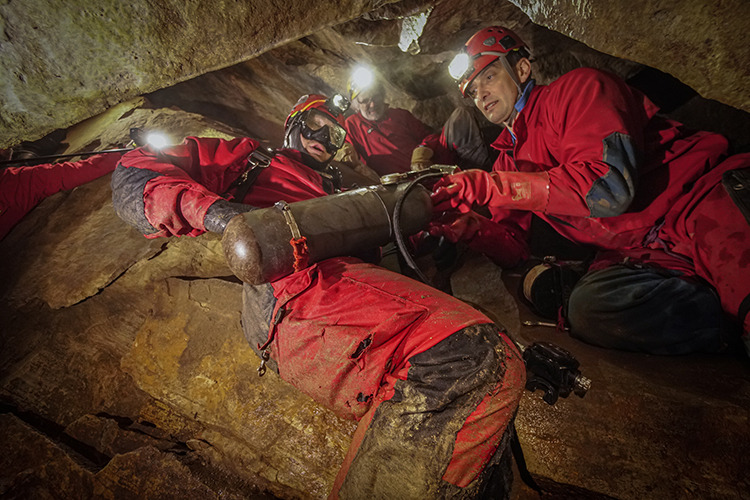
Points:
(421, 158)
(221, 212)
(348, 156)
(510, 190)
(498, 241)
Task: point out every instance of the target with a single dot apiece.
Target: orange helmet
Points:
(481, 50)
(303, 116)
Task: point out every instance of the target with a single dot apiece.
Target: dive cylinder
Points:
(269, 243)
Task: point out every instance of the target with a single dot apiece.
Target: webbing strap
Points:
(523, 470)
(298, 242)
(289, 217)
(258, 160)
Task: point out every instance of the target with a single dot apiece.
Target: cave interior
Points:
(109, 384)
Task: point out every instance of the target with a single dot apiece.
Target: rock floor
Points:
(649, 427)
(124, 374)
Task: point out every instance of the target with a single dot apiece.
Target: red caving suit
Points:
(386, 145)
(631, 183)
(22, 188)
(394, 362)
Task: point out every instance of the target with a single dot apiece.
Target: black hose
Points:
(400, 241)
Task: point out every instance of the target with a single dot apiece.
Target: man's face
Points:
(371, 105)
(313, 147)
(494, 93)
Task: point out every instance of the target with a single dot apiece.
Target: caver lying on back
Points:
(433, 383)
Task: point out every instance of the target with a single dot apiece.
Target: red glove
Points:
(454, 226)
(503, 243)
(511, 190)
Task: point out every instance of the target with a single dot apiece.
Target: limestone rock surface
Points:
(696, 41)
(124, 373)
(63, 64)
(130, 351)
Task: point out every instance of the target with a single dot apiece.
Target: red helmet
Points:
(302, 117)
(482, 49)
(333, 107)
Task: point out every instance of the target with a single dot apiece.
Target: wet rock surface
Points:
(132, 350)
(649, 427)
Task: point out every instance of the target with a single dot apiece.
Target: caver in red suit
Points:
(433, 383)
(22, 188)
(591, 156)
(386, 145)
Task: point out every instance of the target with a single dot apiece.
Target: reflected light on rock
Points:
(411, 29)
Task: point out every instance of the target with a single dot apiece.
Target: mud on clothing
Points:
(379, 363)
(386, 145)
(637, 186)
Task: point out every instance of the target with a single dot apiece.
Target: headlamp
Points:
(460, 66)
(157, 140)
(141, 138)
(338, 103)
(362, 78)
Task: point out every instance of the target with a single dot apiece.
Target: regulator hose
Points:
(400, 241)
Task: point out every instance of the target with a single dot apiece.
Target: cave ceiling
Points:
(61, 66)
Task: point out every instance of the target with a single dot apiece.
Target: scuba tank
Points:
(267, 244)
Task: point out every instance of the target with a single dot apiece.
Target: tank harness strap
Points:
(517, 450)
(258, 160)
(265, 352)
(298, 242)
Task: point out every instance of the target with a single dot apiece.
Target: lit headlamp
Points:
(338, 103)
(460, 67)
(140, 138)
(464, 68)
(361, 79)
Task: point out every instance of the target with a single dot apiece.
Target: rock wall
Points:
(62, 65)
(255, 96)
(124, 372)
(698, 42)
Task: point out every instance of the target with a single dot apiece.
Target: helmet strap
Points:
(512, 73)
(523, 88)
